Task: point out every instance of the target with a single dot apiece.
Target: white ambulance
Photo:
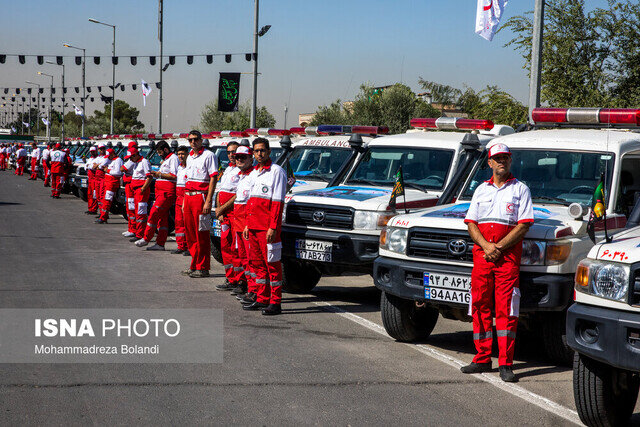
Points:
(425, 261)
(336, 229)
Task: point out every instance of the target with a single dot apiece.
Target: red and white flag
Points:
(146, 90)
(488, 17)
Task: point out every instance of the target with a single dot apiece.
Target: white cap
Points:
(243, 149)
(102, 144)
(93, 149)
(499, 148)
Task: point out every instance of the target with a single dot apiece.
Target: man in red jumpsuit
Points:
(500, 213)
(99, 167)
(2, 157)
(92, 202)
(165, 192)
(57, 163)
(182, 152)
(111, 184)
(224, 213)
(21, 159)
(46, 173)
(35, 160)
(202, 176)
(141, 179)
(264, 222)
(130, 203)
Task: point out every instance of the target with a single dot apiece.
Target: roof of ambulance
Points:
(436, 139)
(573, 139)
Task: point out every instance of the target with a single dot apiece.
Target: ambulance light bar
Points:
(268, 132)
(215, 134)
(167, 135)
(234, 133)
(340, 129)
(451, 123)
(298, 131)
(587, 116)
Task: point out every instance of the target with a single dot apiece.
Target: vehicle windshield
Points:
(422, 168)
(155, 159)
(318, 163)
(561, 177)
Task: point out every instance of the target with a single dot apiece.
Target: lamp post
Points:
(256, 35)
(50, 104)
(113, 65)
(63, 100)
(38, 96)
(160, 19)
(84, 94)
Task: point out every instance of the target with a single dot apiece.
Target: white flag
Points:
(13, 129)
(79, 111)
(25, 124)
(146, 90)
(45, 121)
(488, 17)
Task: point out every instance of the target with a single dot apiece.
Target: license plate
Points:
(314, 250)
(447, 287)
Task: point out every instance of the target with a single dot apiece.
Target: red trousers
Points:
(159, 217)
(98, 186)
(140, 199)
(199, 242)
(229, 249)
(3, 162)
(494, 286)
(20, 165)
(111, 186)
(92, 200)
(56, 184)
(130, 202)
(181, 240)
(241, 263)
(46, 172)
(264, 261)
(34, 169)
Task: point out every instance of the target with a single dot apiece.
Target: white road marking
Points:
(516, 390)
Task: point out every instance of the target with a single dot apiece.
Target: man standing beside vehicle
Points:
(500, 214)
(202, 176)
(21, 160)
(57, 163)
(112, 176)
(92, 202)
(264, 222)
(181, 180)
(35, 160)
(130, 203)
(99, 166)
(46, 172)
(165, 192)
(141, 185)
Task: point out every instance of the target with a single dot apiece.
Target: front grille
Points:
(634, 287)
(334, 217)
(433, 243)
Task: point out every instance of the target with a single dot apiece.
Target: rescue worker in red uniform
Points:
(224, 213)
(35, 160)
(46, 172)
(165, 192)
(500, 214)
(141, 185)
(3, 164)
(68, 167)
(112, 176)
(182, 152)
(92, 202)
(264, 222)
(130, 203)
(21, 159)
(246, 291)
(57, 163)
(99, 166)
(202, 176)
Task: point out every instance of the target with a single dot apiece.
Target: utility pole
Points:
(160, 10)
(536, 57)
(254, 99)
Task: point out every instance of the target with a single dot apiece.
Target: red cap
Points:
(131, 152)
(243, 149)
(133, 144)
(499, 148)
(111, 151)
(58, 146)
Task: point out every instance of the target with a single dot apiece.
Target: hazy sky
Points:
(315, 52)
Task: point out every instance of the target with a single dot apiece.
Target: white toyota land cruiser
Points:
(425, 259)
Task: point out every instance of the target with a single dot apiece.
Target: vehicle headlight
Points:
(370, 220)
(394, 239)
(603, 279)
(533, 252)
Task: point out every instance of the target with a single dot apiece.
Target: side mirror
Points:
(285, 142)
(152, 145)
(205, 144)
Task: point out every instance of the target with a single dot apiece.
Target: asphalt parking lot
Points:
(326, 360)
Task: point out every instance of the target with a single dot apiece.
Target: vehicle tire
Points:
(216, 253)
(554, 335)
(604, 395)
(298, 278)
(405, 322)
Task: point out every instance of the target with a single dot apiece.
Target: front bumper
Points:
(349, 250)
(604, 334)
(540, 292)
(80, 181)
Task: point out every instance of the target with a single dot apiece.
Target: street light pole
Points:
(50, 104)
(160, 19)
(63, 99)
(113, 67)
(84, 87)
(254, 98)
(38, 97)
(536, 57)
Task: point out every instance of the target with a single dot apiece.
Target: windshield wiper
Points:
(416, 186)
(367, 181)
(552, 199)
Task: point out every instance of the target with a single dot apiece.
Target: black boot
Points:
(272, 310)
(255, 306)
(226, 286)
(507, 375)
(476, 368)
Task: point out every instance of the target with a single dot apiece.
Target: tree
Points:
(441, 94)
(213, 120)
(333, 113)
(589, 58)
(125, 120)
(493, 104)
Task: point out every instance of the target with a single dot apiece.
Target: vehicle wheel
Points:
(604, 395)
(554, 335)
(298, 278)
(404, 321)
(216, 253)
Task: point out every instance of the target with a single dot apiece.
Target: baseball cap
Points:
(102, 144)
(133, 144)
(131, 151)
(93, 149)
(58, 146)
(499, 148)
(110, 151)
(243, 150)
